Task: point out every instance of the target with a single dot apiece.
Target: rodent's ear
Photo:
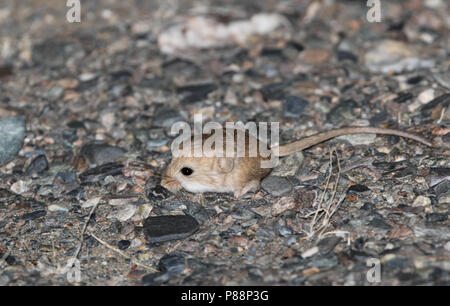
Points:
(225, 164)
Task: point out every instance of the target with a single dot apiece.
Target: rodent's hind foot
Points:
(251, 186)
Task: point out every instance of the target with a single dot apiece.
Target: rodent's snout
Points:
(171, 184)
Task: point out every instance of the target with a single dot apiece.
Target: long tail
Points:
(310, 141)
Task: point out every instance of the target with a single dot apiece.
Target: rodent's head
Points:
(197, 174)
(208, 173)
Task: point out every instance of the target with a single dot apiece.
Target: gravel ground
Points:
(85, 116)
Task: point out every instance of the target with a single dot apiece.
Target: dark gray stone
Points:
(274, 91)
(284, 231)
(402, 97)
(443, 78)
(6, 71)
(34, 215)
(54, 52)
(123, 244)
(153, 137)
(358, 188)
(38, 165)
(157, 138)
(276, 185)
(166, 228)
(436, 217)
(379, 118)
(195, 93)
(325, 262)
(342, 111)
(121, 75)
(346, 55)
(155, 279)
(294, 106)
(173, 264)
(380, 224)
(69, 177)
(100, 153)
(446, 138)
(12, 131)
(328, 244)
(166, 118)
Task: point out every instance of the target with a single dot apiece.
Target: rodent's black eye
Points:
(187, 171)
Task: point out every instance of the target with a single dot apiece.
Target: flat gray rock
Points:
(100, 153)
(276, 186)
(12, 131)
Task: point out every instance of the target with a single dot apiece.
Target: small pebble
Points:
(34, 215)
(358, 188)
(91, 202)
(327, 244)
(436, 217)
(123, 214)
(19, 187)
(173, 264)
(426, 96)
(379, 224)
(276, 186)
(123, 244)
(422, 201)
(86, 77)
(294, 106)
(155, 279)
(38, 165)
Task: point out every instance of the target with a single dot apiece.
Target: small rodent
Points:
(243, 174)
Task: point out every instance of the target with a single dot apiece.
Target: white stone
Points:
(123, 214)
(57, 207)
(91, 202)
(426, 96)
(310, 252)
(422, 201)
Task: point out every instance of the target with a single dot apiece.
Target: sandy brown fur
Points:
(235, 174)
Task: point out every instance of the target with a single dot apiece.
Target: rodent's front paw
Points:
(171, 184)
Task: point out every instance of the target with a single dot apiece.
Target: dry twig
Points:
(123, 254)
(325, 211)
